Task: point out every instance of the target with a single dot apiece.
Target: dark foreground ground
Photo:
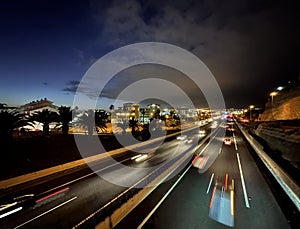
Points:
(29, 154)
(32, 153)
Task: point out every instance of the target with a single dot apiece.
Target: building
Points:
(35, 106)
(38, 105)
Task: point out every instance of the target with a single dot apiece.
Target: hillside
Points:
(286, 106)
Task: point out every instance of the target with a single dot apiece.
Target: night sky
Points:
(251, 47)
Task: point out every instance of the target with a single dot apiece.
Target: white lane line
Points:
(50, 210)
(162, 199)
(204, 148)
(235, 144)
(87, 175)
(243, 182)
(211, 179)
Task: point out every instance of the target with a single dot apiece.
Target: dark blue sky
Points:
(47, 46)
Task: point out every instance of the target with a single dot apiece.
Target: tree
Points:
(133, 124)
(65, 117)
(45, 117)
(143, 111)
(112, 107)
(101, 118)
(10, 120)
(87, 119)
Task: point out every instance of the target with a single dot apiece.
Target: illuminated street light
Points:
(251, 107)
(279, 88)
(272, 94)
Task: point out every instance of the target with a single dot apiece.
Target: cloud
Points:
(71, 86)
(244, 43)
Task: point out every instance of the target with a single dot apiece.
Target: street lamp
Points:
(251, 107)
(272, 94)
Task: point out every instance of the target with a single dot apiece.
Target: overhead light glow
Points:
(279, 88)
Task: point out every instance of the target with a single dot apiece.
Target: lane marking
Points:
(163, 199)
(204, 148)
(220, 151)
(85, 176)
(243, 182)
(50, 210)
(10, 212)
(211, 179)
(235, 144)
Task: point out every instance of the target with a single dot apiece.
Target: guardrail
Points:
(287, 184)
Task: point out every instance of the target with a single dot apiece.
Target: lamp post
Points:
(251, 107)
(272, 94)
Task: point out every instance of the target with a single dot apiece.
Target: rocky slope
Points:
(286, 106)
(279, 125)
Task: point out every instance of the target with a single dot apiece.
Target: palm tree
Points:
(87, 119)
(10, 120)
(65, 117)
(46, 117)
(101, 118)
(133, 124)
(111, 107)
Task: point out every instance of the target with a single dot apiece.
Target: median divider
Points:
(121, 212)
(288, 185)
(152, 181)
(78, 164)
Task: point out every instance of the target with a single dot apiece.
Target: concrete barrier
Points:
(120, 213)
(287, 184)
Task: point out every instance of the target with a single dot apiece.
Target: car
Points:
(227, 141)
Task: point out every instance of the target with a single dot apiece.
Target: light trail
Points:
(226, 181)
(212, 197)
(10, 212)
(52, 194)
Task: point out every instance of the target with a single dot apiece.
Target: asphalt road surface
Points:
(71, 201)
(238, 196)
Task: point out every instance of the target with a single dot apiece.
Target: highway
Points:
(65, 202)
(238, 196)
(222, 188)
